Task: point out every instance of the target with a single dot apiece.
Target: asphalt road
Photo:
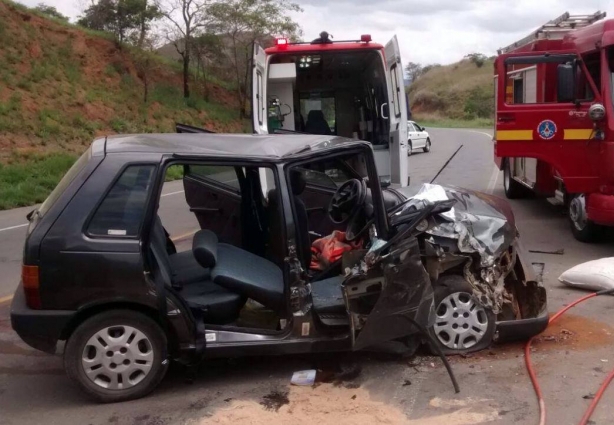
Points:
(571, 362)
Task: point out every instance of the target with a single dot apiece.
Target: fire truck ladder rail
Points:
(555, 29)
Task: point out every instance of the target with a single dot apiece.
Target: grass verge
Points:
(27, 181)
(438, 121)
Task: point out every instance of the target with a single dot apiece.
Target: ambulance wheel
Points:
(462, 325)
(513, 189)
(582, 228)
(409, 148)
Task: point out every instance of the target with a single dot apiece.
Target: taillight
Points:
(31, 286)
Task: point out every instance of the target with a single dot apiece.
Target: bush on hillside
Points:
(479, 104)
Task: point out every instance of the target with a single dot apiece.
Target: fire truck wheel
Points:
(409, 148)
(582, 228)
(513, 189)
(427, 147)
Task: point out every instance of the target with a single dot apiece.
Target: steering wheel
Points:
(347, 201)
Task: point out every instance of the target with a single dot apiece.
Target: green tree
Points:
(240, 24)
(50, 11)
(206, 48)
(100, 16)
(121, 17)
(477, 58)
(185, 18)
(413, 71)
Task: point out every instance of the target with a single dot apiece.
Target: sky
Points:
(429, 31)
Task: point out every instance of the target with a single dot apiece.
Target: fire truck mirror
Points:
(565, 83)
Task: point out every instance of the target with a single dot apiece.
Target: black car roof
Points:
(267, 146)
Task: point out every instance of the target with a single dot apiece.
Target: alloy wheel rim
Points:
(460, 322)
(117, 357)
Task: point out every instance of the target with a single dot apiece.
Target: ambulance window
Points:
(259, 95)
(396, 92)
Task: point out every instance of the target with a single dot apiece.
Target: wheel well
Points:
(152, 313)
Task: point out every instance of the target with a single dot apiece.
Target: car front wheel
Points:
(461, 324)
(409, 148)
(427, 146)
(117, 355)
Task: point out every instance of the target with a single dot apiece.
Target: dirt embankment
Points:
(61, 86)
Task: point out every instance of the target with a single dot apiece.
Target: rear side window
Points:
(122, 210)
(77, 167)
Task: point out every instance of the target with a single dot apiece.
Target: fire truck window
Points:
(538, 83)
(583, 87)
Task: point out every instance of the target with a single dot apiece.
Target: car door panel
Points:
(217, 206)
(401, 295)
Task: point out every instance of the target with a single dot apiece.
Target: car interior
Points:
(232, 275)
(338, 94)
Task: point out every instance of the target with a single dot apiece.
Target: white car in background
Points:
(417, 138)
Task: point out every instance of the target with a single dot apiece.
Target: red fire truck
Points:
(555, 119)
(347, 88)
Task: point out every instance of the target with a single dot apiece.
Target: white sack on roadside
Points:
(594, 275)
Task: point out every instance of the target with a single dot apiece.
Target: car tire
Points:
(582, 228)
(427, 146)
(130, 348)
(513, 189)
(409, 148)
(462, 325)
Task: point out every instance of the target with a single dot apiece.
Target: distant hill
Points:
(460, 91)
(61, 86)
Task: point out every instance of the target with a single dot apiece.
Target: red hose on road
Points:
(533, 376)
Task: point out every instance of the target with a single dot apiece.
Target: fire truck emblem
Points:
(546, 129)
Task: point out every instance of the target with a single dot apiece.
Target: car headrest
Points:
(204, 248)
(297, 182)
(315, 115)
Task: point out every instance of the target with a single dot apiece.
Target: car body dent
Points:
(478, 236)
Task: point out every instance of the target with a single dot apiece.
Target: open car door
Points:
(397, 114)
(259, 77)
(394, 298)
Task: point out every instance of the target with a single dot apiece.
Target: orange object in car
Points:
(327, 250)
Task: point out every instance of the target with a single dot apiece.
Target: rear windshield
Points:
(77, 167)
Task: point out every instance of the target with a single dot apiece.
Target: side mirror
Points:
(384, 181)
(565, 89)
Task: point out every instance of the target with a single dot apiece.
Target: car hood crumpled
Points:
(480, 223)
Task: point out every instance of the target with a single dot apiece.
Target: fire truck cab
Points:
(350, 88)
(554, 131)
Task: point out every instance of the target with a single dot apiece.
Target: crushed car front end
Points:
(477, 239)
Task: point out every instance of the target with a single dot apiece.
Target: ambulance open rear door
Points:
(397, 115)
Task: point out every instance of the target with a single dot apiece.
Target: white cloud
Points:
(429, 31)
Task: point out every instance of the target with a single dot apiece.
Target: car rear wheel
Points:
(409, 148)
(117, 355)
(461, 324)
(513, 189)
(582, 228)
(427, 146)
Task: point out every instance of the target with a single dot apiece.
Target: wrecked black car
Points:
(297, 248)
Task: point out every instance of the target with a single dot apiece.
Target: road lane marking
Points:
(185, 235)
(14, 227)
(172, 193)
(6, 299)
(494, 178)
